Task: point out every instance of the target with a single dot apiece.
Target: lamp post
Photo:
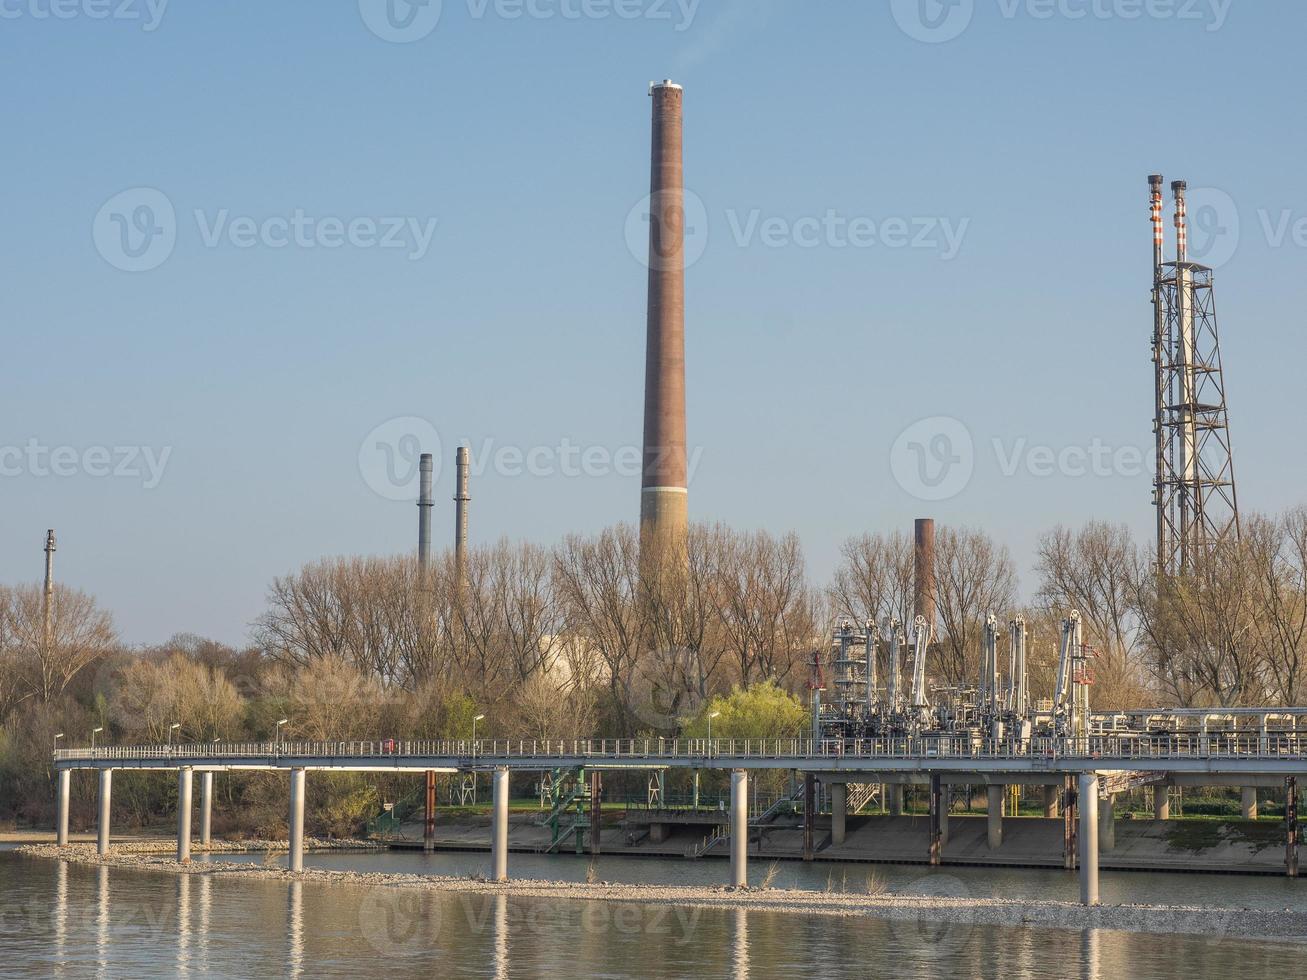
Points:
(95, 732)
(172, 728)
(715, 714)
(276, 735)
(58, 736)
(474, 731)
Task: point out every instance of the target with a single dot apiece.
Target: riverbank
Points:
(1276, 925)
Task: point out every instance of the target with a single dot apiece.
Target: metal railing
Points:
(1125, 747)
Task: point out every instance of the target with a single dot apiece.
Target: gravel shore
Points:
(965, 910)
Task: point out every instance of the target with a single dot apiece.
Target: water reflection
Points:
(501, 937)
(295, 922)
(741, 955)
(183, 925)
(87, 925)
(1090, 954)
(206, 909)
(102, 923)
(61, 916)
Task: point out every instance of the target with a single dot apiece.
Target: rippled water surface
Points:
(66, 920)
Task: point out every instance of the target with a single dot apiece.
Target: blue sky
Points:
(893, 229)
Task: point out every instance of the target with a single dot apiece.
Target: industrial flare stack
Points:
(664, 514)
(1194, 488)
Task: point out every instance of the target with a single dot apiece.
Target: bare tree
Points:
(874, 578)
(1092, 570)
(81, 634)
(765, 607)
(973, 577)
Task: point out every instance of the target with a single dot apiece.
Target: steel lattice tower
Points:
(1194, 490)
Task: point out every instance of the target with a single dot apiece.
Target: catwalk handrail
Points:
(699, 750)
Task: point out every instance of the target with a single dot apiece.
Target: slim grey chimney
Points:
(47, 606)
(461, 499)
(426, 467)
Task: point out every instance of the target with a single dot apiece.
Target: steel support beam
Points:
(61, 817)
(596, 811)
(296, 859)
(185, 781)
(1088, 807)
(499, 826)
(102, 827)
(739, 828)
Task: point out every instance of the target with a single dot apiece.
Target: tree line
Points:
(579, 639)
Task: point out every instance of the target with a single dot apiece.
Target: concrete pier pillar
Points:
(61, 818)
(994, 812)
(1088, 838)
(206, 808)
(1249, 803)
(499, 826)
(296, 861)
(839, 812)
(1161, 802)
(102, 827)
(894, 792)
(185, 780)
(739, 828)
(1107, 823)
(1052, 796)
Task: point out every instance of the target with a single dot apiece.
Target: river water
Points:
(66, 920)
